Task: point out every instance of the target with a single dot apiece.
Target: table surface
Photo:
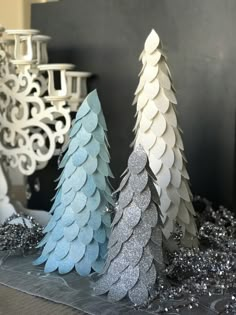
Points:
(14, 302)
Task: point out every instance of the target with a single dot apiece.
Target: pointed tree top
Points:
(137, 160)
(92, 96)
(138, 181)
(91, 102)
(152, 42)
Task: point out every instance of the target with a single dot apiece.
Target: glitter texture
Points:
(130, 246)
(190, 274)
(20, 232)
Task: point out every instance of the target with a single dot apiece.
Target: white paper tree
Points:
(158, 132)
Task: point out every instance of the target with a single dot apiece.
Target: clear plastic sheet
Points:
(17, 272)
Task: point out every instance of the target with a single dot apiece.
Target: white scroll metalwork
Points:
(34, 114)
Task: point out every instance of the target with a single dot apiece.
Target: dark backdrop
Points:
(106, 38)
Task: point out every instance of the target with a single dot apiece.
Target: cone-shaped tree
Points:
(76, 235)
(135, 246)
(158, 132)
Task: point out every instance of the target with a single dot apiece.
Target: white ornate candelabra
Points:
(34, 114)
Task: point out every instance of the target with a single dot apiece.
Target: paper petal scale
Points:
(130, 269)
(157, 130)
(77, 234)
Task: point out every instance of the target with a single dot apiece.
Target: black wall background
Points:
(106, 37)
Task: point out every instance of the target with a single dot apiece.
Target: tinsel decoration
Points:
(20, 232)
(135, 257)
(77, 234)
(207, 270)
(157, 130)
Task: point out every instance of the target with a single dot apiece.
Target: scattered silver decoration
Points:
(20, 232)
(206, 271)
(189, 274)
(230, 308)
(132, 268)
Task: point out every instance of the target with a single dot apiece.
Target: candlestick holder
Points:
(34, 114)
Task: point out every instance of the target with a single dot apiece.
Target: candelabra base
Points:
(8, 208)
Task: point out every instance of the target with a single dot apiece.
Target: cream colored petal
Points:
(155, 164)
(165, 201)
(183, 213)
(179, 141)
(173, 195)
(189, 205)
(159, 125)
(170, 117)
(154, 58)
(159, 148)
(191, 227)
(168, 228)
(158, 188)
(150, 73)
(178, 159)
(171, 96)
(148, 139)
(152, 89)
(175, 177)
(183, 191)
(164, 67)
(169, 136)
(145, 123)
(163, 177)
(138, 120)
(142, 101)
(164, 80)
(140, 86)
(168, 158)
(152, 42)
(172, 211)
(150, 110)
(162, 102)
(141, 55)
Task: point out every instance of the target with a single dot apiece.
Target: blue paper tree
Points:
(77, 233)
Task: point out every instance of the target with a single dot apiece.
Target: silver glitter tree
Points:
(135, 246)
